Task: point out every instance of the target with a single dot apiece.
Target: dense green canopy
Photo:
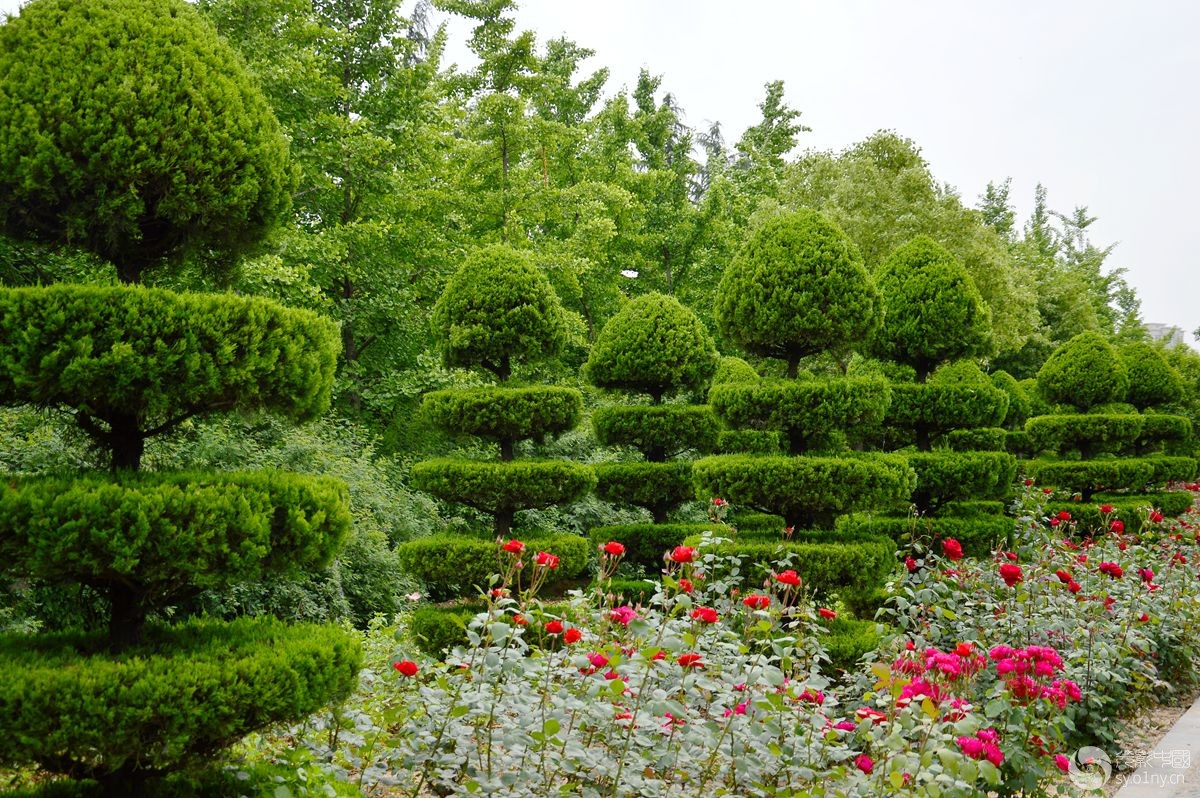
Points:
(1152, 380)
(1084, 372)
(130, 128)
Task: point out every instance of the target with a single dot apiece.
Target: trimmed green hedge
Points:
(119, 351)
(653, 345)
(659, 487)
(1018, 401)
(189, 690)
(734, 369)
(166, 532)
(1084, 372)
(973, 509)
(1126, 508)
(1152, 380)
(749, 441)
(806, 410)
(499, 486)
(748, 522)
(1160, 427)
(982, 439)
(1087, 433)
(1017, 442)
(938, 407)
(1171, 469)
(978, 534)
(1089, 476)
(437, 630)
(505, 413)
(450, 565)
(645, 544)
(944, 476)
(657, 431)
(806, 489)
(848, 640)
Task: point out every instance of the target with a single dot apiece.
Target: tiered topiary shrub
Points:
(798, 288)
(498, 312)
(1086, 443)
(140, 178)
(654, 347)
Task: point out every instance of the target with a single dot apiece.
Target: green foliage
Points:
(1018, 400)
(848, 640)
(108, 352)
(981, 439)
(659, 487)
(749, 441)
(165, 533)
(1129, 509)
(1171, 469)
(806, 491)
(1084, 372)
(1159, 427)
(1089, 476)
(932, 311)
(190, 690)
(1152, 380)
(498, 309)
(654, 345)
(437, 630)
(944, 476)
(797, 287)
(645, 544)
(1089, 433)
(497, 487)
(152, 146)
(734, 369)
(659, 431)
(979, 534)
(934, 407)
(752, 523)
(505, 413)
(1038, 405)
(449, 565)
(807, 410)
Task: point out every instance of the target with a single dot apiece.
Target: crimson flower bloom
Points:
(1155, 516)
(1112, 569)
(952, 549)
(614, 549)
(705, 615)
(1011, 574)
(827, 613)
(545, 559)
(910, 564)
(514, 547)
(406, 667)
(682, 554)
(1064, 516)
(554, 627)
(1117, 527)
(789, 577)
(1106, 508)
(1063, 575)
(864, 763)
(686, 585)
(572, 635)
(690, 661)
(757, 602)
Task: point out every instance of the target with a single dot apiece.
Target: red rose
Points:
(554, 627)
(1011, 574)
(546, 560)
(1074, 586)
(1117, 527)
(864, 763)
(686, 585)
(757, 602)
(690, 661)
(952, 549)
(1106, 508)
(789, 577)
(827, 613)
(705, 615)
(1112, 569)
(910, 564)
(1063, 575)
(1155, 516)
(682, 554)
(614, 549)
(573, 635)
(406, 667)
(1064, 516)
(514, 547)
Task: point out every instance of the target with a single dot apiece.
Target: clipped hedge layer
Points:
(502, 486)
(669, 429)
(505, 413)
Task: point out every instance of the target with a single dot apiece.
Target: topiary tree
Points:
(1152, 380)
(138, 135)
(932, 311)
(797, 288)
(141, 699)
(1082, 449)
(498, 311)
(654, 346)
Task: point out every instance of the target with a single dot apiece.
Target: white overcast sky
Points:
(1096, 99)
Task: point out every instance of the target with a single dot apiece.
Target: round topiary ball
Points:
(654, 345)
(932, 311)
(796, 288)
(498, 309)
(734, 369)
(1084, 372)
(1018, 401)
(1152, 380)
(130, 128)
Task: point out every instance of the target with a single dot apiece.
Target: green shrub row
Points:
(1090, 476)
(189, 690)
(1127, 508)
(806, 489)
(1084, 432)
(503, 486)
(165, 532)
(749, 441)
(437, 630)
(645, 544)
(657, 486)
(978, 534)
(505, 413)
(944, 476)
(980, 439)
(806, 410)
(848, 640)
(936, 407)
(658, 431)
(450, 565)
(115, 351)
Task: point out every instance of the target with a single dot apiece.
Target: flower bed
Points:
(997, 670)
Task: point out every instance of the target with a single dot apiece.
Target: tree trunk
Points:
(506, 449)
(660, 513)
(126, 617)
(127, 442)
(504, 521)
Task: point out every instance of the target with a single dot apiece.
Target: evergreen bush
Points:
(1084, 372)
(1152, 380)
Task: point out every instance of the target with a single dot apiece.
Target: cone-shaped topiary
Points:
(654, 346)
(98, 148)
(1083, 451)
(498, 311)
(1152, 380)
(932, 311)
(130, 128)
(798, 287)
